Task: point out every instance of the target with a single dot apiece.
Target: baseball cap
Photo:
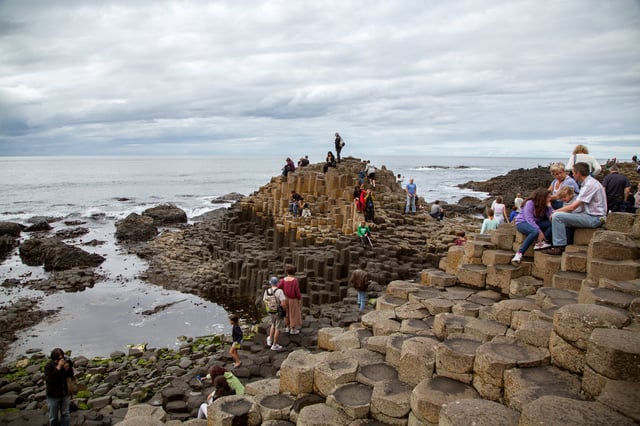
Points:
(274, 281)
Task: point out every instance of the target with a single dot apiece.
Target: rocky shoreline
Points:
(227, 259)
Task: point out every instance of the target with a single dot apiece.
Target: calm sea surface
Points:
(99, 191)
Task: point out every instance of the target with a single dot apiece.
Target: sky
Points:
(468, 78)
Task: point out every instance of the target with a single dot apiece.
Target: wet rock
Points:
(55, 255)
(11, 229)
(228, 198)
(41, 226)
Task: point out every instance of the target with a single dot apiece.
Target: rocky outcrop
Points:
(134, 228)
(55, 255)
(11, 229)
(166, 214)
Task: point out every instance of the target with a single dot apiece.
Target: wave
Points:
(436, 168)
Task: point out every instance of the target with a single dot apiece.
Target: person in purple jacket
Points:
(534, 220)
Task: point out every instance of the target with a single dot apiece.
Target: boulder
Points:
(56, 255)
(166, 214)
(11, 229)
(136, 228)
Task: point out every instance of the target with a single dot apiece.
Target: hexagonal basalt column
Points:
(455, 358)
(428, 397)
(296, 373)
(479, 412)
(275, 407)
(373, 373)
(233, 410)
(390, 401)
(493, 358)
(353, 399)
(321, 415)
(417, 359)
(327, 375)
(555, 410)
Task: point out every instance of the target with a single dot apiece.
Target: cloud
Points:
(519, 78)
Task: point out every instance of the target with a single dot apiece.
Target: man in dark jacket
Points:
(56, 373)
(360, 281)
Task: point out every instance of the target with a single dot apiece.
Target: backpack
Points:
(369, 203)
(270, 301)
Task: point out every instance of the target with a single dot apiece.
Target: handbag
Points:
(281, 312)
(72, 385)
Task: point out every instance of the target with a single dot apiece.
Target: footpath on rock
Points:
(454, 334)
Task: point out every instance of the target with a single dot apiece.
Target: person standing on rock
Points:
(369, 208)
(360, 281)
(273, 298)
(370, 171)
(339, 144)
(291, 288)
(56, 373)
(236, 336)
(411, 189)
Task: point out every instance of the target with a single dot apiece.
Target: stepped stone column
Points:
(455, 358)
(431, 394)
(275, 407)
(353, 399)
(390, 402)
(477, 412)
(296, 373)
(417, 359)
(327, 375)
(612, 355)
(525, 385)
(234, 409)
(556, 410)
(572, 326)
(493, 358)
(321, 415)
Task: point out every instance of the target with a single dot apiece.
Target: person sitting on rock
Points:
(461, 238)
(489, 223)
(289, 167)
(437, 212)
(295, 203)
(303, 161)
(329, 162)
(224, 383)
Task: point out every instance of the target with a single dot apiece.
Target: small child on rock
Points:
(236, 336)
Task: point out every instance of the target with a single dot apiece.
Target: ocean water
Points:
(101, 190)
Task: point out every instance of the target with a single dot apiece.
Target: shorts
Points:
(276, 320)
(371, 176)
(236, 345)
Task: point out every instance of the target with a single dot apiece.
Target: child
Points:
(236, 336)
(513, 214)
(565, 194)
(489, 223)
(274, 298)
(306, 211)
(461, 238)
(365, 234)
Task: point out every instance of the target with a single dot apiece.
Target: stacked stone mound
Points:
(554, 340)
(236, 254)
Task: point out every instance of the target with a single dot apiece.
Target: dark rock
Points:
(136, 228)
(66, 234)
(166, 214)
(48, 219)
(7, 244)
(228, 198)
(41, 226)
(55, 255)
(11, 229)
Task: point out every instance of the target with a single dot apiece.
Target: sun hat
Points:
(274, 281)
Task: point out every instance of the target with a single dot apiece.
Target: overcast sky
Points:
(488, 78)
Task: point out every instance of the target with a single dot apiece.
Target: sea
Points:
(98, 191)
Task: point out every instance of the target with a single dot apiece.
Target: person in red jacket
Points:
(293, 304)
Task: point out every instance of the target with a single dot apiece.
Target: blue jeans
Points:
(293, 208)
(362, 299)
(411, 203)
(532, 233)
(562, 220)
(61, 405)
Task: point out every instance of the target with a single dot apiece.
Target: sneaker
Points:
(286, 329)
(276, 347)
(294, 331)
(269, 342)
(541, 245)
(517, 258)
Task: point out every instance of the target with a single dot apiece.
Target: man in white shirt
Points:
(587, 211)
